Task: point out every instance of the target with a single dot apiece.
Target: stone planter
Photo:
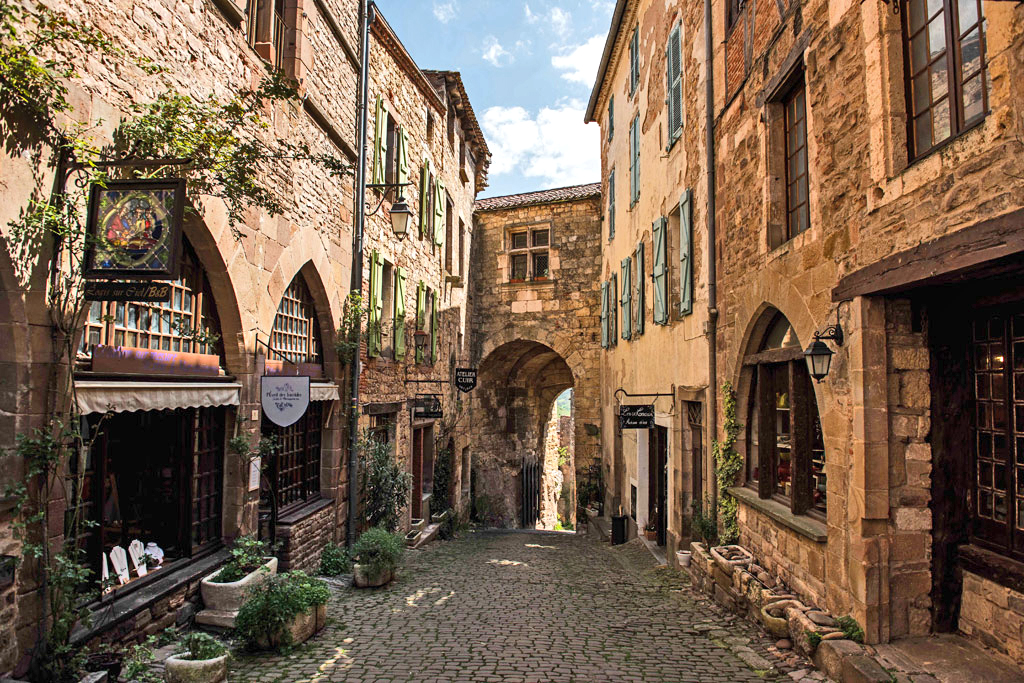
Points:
(777, 626)
(221, 601)
(301, 628)
(729, 556)
(363, 576)
(439, 517)
(178, 670)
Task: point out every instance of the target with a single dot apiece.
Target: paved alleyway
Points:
(507, 606)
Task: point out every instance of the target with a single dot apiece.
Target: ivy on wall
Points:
(727, 468)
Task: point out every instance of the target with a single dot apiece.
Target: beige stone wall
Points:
(994, 615)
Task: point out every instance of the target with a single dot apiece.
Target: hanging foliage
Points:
(728, 464)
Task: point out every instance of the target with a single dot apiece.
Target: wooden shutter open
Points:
(380, 143)
(686, 253)
(604, 315)
(611, 205)
(421, 321)
(375, 337)
(425, 212)
(439, 208)
(660, 274)
(639, 286)
(613, 310)
(627, 293)
(402, 161)
(675, 85)
(399, 313)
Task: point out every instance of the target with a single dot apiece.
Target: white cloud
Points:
(579, 63)
(495, 54)
(553, 145)
(560, 20)
(531, 18)
(445, 11)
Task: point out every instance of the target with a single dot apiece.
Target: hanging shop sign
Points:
(636, 416)
(134, 229)
(427, 407)
(465, 379)
(109, 290)
(284, 398)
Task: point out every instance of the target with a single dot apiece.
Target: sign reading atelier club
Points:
(636, 416)
(465, 379)
(285, 398)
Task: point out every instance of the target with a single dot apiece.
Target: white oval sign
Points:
(284, 398)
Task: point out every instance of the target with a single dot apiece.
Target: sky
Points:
(528, 67)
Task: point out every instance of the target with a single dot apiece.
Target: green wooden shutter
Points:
(673, 72)
(375, 337)
(402, 161)
(634, 60)
(613, 314)
(634, 160)
(435, 328)
(640, 303)
(660, 273)
(425, 198)
(421, 323)
(611, 117)
(439, 208)
(604, 316)
(399, 314)
(380, 143)
(611, 205)
(627, 309)
(686, 253)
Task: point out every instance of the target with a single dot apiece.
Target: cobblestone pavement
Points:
(517, 606)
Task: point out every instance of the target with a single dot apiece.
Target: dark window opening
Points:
(797, 202)
(295, 465)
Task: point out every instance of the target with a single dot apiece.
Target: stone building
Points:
(273, 297)
(863, 185)
(535, 303)
(648, 100)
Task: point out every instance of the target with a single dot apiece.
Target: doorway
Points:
(422, 469)
(657, 472)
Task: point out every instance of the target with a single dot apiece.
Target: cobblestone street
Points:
(516, 606)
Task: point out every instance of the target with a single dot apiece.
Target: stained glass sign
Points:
(135, 229)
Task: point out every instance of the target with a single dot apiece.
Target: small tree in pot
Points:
(202, 659)
(375, 557)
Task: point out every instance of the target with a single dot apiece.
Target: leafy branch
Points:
(728, 464)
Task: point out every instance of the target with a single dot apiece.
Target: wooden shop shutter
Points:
(686, 253)
(402, 161)
(380, 142)
(639, 286)
(421, 322)
(660, 273)
(604, 315)
(627, 309)
(374, 336)
(675, 86)
(399, 317)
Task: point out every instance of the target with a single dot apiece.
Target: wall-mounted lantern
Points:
(818, 354)
(422, 339)
(401, 214)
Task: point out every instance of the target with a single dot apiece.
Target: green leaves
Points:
(272, 604)
(728, 464)
(385, 486)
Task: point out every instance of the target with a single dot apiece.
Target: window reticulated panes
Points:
(785, 446)
(187, 323)
(797, 204)
(944, 47)
(528, 254)
(296, 333)
(295, 466)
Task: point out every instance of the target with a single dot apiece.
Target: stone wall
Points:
(303, 540)
(994, 615)
(794, 558)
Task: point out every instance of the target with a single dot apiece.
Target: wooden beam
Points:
(774, 356)
(943, 258)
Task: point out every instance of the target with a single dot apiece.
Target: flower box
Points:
(221, 601)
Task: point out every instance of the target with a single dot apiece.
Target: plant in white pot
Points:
(375, 556)
(224, 591)
(201, 659)
(282, 611)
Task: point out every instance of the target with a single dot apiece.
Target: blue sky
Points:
(528, 66)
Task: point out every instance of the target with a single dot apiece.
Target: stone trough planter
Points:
(303, 627)
(364, 576)
(221, 601)
(729, 557)
(179, 670)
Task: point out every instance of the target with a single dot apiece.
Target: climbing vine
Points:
(727, 467)
(347, 344)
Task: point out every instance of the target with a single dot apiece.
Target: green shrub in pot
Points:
(379, 550)
(271, 608)
(247, 555)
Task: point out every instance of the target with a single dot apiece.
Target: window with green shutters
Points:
(402, 160)
(374, 334)
(634, 61)
(439, 206)
(399, 316)
(435, 327)
(638, 287)
(686, 253)
(426, 195)
(421, 319)
(611, 117)
(380, 143)
(634, 160)
(611, 204)
(613, 316)
(660, 273)
(626, 301)
(605, 330)
(674, 71)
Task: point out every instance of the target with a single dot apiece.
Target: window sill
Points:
(232, 12)
(992, 566)
(304, 511)
(804, 525)
(524, 284)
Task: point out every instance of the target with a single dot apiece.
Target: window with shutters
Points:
(380, 142)
(660, 271)
(613, 315)
(421, 318)
(400, 336)
(427, 194)
(627, 298)
(449, 217)
(440, 213)
(785, 447)
(387, 320)
(634, 160)
(375, 307)
(945, 69)
(611, 204)
(634, 61)
(798, 216)
(611, 117)
(434, 314)
(528, 254)
(391, 158)
(639, 286)
(674, 71)
(685, 253)
(605, 304)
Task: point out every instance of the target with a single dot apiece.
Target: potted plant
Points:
(224, 591)
(202, 659)
(283, 610)
(375, 556)
(651, 531)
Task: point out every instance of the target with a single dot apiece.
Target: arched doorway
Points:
(513, 480)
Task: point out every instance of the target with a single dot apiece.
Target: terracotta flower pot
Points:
(178, 670)
(221, 601)
(365, 576)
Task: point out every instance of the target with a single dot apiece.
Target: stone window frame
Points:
(531, 251)
(270, 27)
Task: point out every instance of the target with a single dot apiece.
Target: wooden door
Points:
(417, 473)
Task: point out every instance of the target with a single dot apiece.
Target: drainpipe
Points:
(709, 112)
(366, 12)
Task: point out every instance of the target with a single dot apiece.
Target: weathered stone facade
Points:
(532, 339)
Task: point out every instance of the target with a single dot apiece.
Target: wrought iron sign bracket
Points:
(622, 391)
(385, 189)
(428, 381)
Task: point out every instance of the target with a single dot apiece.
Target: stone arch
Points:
(559, 342)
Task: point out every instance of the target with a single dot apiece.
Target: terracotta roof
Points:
(559, 194)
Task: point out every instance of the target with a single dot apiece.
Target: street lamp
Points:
(400, 211)
(819, 355)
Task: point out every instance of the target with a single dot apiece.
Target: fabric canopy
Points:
(323, 392)
(126, 397)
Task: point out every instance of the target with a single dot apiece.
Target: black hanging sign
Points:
(636, 416)
(106, 290)
(465, 379)
(427, 407)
